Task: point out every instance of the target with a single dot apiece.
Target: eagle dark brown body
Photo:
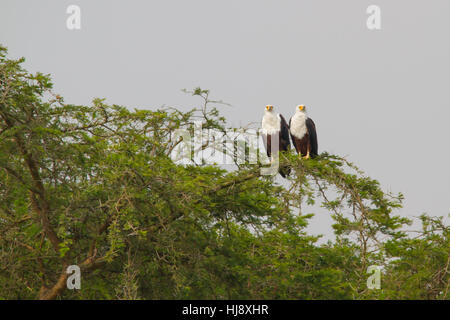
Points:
(302, 145)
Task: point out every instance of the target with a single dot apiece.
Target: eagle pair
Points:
(301, 129)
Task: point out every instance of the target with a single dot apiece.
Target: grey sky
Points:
(379, 97)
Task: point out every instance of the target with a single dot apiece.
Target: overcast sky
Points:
(379, 97)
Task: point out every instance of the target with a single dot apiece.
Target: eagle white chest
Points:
(298, 125)
(271, 123)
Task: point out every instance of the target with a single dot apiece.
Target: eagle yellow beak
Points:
(301, 107)
(269, 107)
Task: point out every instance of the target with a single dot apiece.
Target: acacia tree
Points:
(96, 186)
(84, 185)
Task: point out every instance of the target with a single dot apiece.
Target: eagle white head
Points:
(271, 121)
(269, 108)
(300, 108)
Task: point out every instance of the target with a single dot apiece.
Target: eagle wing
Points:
(294, 139)
(285, 141)
(311, 127)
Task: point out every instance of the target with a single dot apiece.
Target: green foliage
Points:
(95, 186)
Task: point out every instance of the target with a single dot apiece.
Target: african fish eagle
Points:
(303, 133)
(274, 126)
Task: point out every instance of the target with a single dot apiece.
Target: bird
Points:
(274, 126)
(303, 133)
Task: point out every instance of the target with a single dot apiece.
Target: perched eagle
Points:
(303, 133)
(274, 126)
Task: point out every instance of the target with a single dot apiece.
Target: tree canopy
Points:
(96, 186)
